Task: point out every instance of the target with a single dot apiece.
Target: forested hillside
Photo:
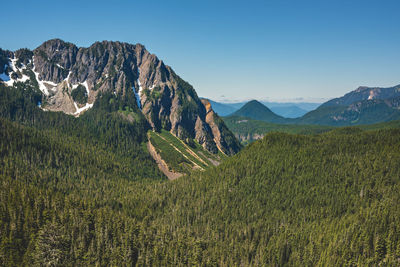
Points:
(248, 130)
(328, 199)
(109, 157)
(85, 191)
(257, 111)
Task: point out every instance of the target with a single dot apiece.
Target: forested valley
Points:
(85, 192)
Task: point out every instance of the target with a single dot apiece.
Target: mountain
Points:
(287, 110)
(363, 93)
(73, 80)
(257, 111)
(365, 105)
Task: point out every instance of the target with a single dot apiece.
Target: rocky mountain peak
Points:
(363, 93)
(73, 78)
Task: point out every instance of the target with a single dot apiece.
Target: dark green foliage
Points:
(15, 76)
(63, 177)
(154, 94)
(19, 103)
(79, 94)
(24, 55)
(296, 200)
(102, 126)
(248, 130)
(382, 125)
(52, 245)
(4, 56)
(54, 182)
(83, 192)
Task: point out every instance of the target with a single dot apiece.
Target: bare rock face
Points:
(53, 59)
(122, 69)
(223, 137)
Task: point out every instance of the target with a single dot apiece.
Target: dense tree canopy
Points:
(84, 191)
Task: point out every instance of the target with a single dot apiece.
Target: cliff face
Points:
(72, 78)
(223, 137)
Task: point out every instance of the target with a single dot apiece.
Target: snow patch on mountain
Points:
(82, 109)
(69, 75)
(87, 87)
(371, 95)
(137, 96)
(43, 85)
(8, 78)
(140, 88)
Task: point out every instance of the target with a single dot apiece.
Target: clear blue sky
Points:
(233, 50)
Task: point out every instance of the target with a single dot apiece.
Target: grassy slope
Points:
(179, 156)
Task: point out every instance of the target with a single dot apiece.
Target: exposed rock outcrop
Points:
(122, 69)
(222, 136)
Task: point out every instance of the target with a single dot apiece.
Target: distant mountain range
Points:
(363, 93)
(287, 110)
(365, 105)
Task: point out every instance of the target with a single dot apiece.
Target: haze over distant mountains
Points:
(257, 111)
(365, 105)
(284, 109)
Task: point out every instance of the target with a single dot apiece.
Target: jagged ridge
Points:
(123, 69)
